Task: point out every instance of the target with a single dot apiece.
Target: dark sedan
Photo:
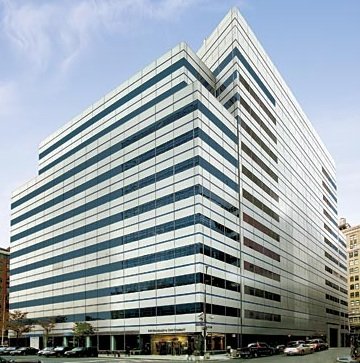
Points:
(254, 350)
(82, 352)
(24, 351)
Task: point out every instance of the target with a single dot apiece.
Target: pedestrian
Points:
(189, 353)
(127, 351)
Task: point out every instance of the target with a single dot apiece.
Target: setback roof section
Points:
(182, 50)
(212, 53)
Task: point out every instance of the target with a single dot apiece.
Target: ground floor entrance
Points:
(176, 343)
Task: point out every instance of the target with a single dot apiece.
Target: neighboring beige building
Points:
(4, 292)
(353, 247)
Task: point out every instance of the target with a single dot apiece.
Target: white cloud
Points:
(60, 31)
(26, 26)
(7, 98)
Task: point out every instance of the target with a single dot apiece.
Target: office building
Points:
(196, 197)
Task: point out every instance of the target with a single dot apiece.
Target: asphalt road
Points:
(328, 356)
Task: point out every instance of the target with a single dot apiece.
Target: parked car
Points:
(254, 350)
(5, 360)
(82, 352)
(56, 352)
(43, 351)
(7, 350)
(299, 349)
(294, 343)
(24, 351)
(280, 349)
(317, 344)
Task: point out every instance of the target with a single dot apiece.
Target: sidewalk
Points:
(170, 357)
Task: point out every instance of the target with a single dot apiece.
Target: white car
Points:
(317, 344)
(299, 349)
(346, 360)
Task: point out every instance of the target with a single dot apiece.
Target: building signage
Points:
(164, 330)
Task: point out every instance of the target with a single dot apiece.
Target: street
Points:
(328, 356)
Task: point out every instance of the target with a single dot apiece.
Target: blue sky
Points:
(58, 57)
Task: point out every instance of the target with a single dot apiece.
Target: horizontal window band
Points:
(129, 213)
(257, 99)
(232, 100)
(329, 230)
(248, 290)
(167, 282)
(263, 207)
(142, 183)
(336, 287)
(257, 139)
(167, 120)
(219, 124)
(327, 201)
(115, 218)
(114, 125)
(254, 136)
(261, 271)
(118, 169)
(261, 249)
(256, 118)
(153, 311)
(261, 227)
(259, 183)
(260, 315)
(258, 161)
(226, 83)
(246, 85)
(335, 273)
(179, 252)
(332, 312)
(329, 191)
(137, 91)
(331, 245)
(132, 237)
(328, 216)
(337, 262)
(329, 178)
(339, 239)
(235, 52)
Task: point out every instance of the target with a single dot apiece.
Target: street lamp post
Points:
(205, 298)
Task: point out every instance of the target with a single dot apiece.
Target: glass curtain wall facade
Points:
(196, 197)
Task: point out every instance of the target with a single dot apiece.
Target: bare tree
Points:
(48, 325)
(19, 323)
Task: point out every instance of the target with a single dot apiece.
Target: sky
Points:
(59, 57)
